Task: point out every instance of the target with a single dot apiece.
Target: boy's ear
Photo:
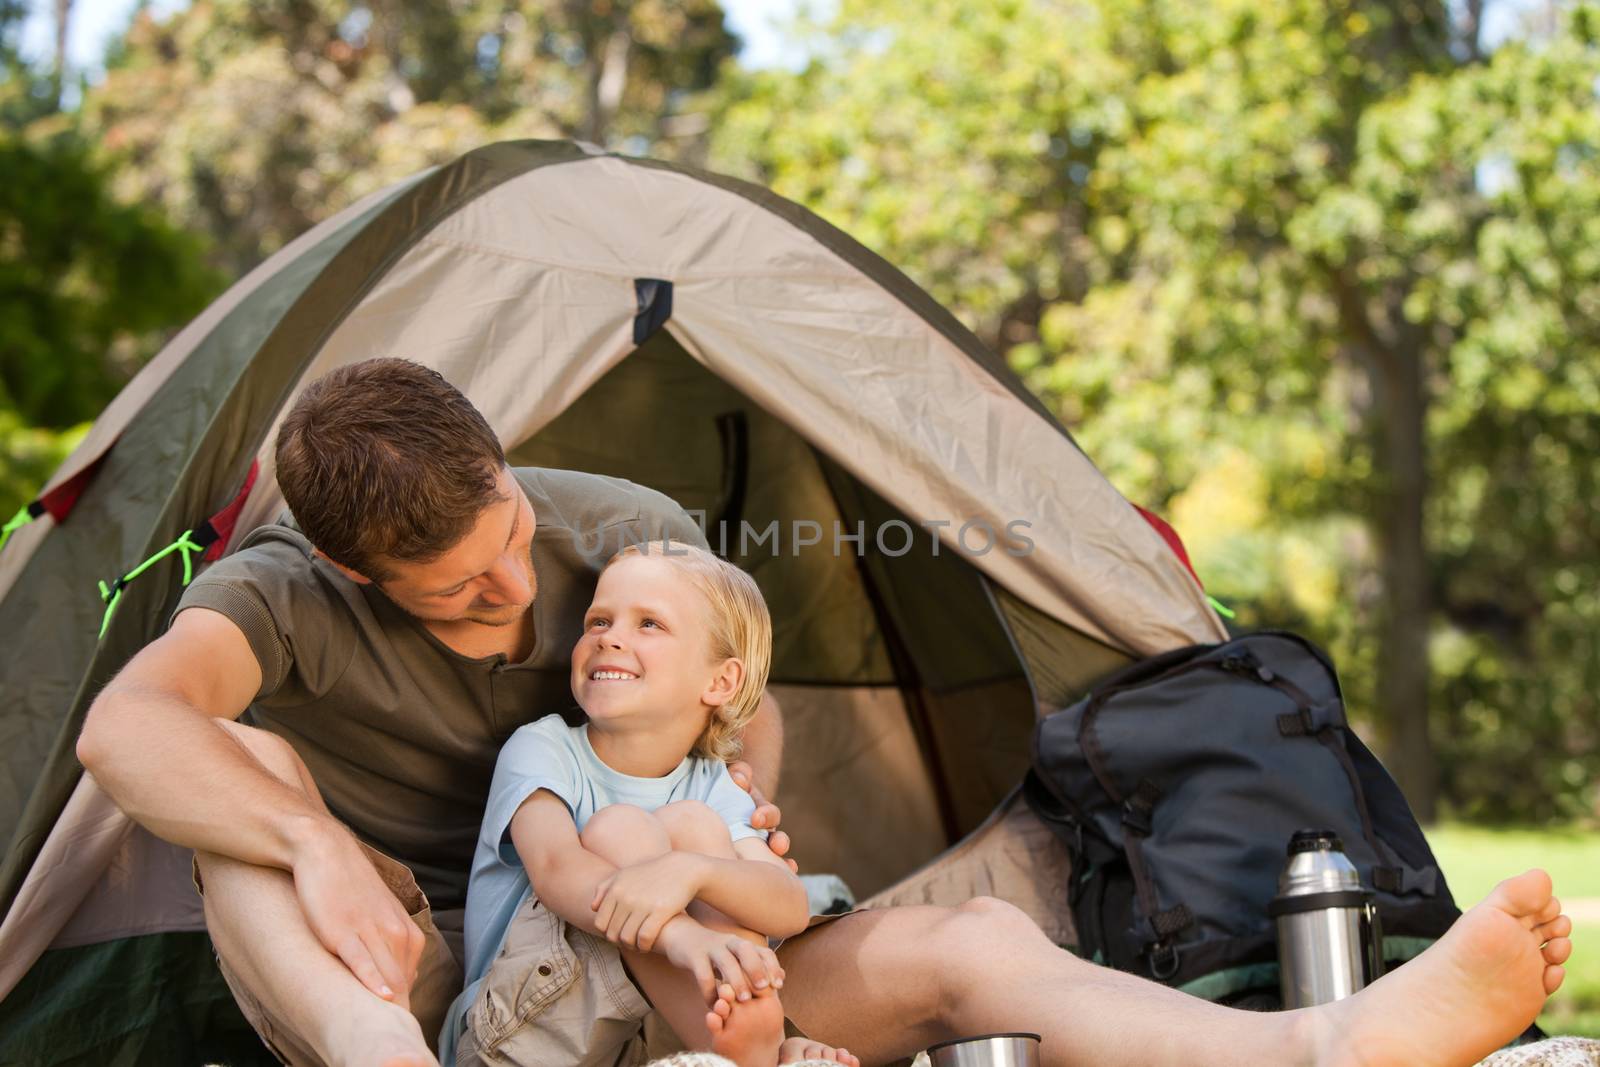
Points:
(354, 576)
(724, 683)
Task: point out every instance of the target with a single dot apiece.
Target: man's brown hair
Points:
(385, 460)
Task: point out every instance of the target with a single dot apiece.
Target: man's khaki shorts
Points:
(438, 974)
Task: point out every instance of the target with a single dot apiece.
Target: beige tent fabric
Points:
(136, 393)
(1012, 856)
(524, 297)
(87, 835)
(841, 746)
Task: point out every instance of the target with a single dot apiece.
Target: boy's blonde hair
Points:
(740, 628)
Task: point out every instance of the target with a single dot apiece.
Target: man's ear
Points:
(354, 576)
(724, 683)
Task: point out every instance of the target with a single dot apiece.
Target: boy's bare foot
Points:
(798, 1049)
(1466, 996)
(748, 1032)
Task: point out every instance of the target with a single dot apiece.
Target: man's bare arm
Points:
(153, 744)
(763, 747)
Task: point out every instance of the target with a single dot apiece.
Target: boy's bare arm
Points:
(565, 876)
(564, 873)
(757, 891)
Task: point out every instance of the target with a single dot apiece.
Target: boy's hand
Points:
(766, 815)
(635, 903)
(716, 958)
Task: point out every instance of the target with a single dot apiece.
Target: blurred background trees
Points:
(1315, 279)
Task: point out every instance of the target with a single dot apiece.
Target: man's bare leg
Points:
(256, 924)
(889, 983)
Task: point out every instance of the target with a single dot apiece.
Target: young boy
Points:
(629, 828)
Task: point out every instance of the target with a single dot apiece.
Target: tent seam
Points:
(677, 277)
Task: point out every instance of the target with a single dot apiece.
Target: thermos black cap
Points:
(1315, 841)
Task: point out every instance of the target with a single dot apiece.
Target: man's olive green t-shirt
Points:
(399, 731)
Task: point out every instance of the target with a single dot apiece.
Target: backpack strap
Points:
(1162, 952)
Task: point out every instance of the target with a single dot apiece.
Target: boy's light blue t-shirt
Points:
(549, 754)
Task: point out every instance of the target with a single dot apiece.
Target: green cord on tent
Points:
(17, 522)
(113, 592)
(1219, 607)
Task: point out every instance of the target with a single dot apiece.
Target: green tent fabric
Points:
(684, 330)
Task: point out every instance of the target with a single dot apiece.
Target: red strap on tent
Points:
(223, 522)
(1170, 536)
(60, 501)
(1174, 542)
(57, 503)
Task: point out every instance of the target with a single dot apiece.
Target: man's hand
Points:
(767, 814)
(635, 903)
(742, 967)
(354, 914)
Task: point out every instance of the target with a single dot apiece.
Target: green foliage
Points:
(1219, 239)
(88, 284)
(251, 121)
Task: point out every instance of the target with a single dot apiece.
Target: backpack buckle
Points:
(1136, 819)
(1163, 960)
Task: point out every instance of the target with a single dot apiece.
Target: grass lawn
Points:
(1474, 859)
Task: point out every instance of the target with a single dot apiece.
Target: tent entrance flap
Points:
(947, 733)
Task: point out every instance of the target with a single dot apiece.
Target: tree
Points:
(1216, 238)
(88, 285)
(252, 121)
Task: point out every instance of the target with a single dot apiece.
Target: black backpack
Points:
(1176, 786)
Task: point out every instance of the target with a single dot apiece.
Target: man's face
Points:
(486, 577)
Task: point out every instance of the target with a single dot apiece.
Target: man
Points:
(426, 611)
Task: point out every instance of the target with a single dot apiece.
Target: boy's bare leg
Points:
(749, 1030)
(256, 924)
(892, 982)
(626, 835)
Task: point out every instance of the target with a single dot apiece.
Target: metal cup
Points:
(989, 1050)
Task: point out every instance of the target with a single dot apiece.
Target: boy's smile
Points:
(643, 667)
(644, 650)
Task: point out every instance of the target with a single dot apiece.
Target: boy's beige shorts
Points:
(561, 997)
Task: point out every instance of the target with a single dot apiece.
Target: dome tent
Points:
(686, 331)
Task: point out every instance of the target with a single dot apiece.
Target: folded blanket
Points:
(1553, 1052)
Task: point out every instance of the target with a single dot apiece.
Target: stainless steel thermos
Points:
(1329, 938)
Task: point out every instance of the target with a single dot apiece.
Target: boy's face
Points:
(645, 654)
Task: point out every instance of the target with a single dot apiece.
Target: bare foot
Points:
(798, 1049)
(1466, 996)
(748, 1032)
